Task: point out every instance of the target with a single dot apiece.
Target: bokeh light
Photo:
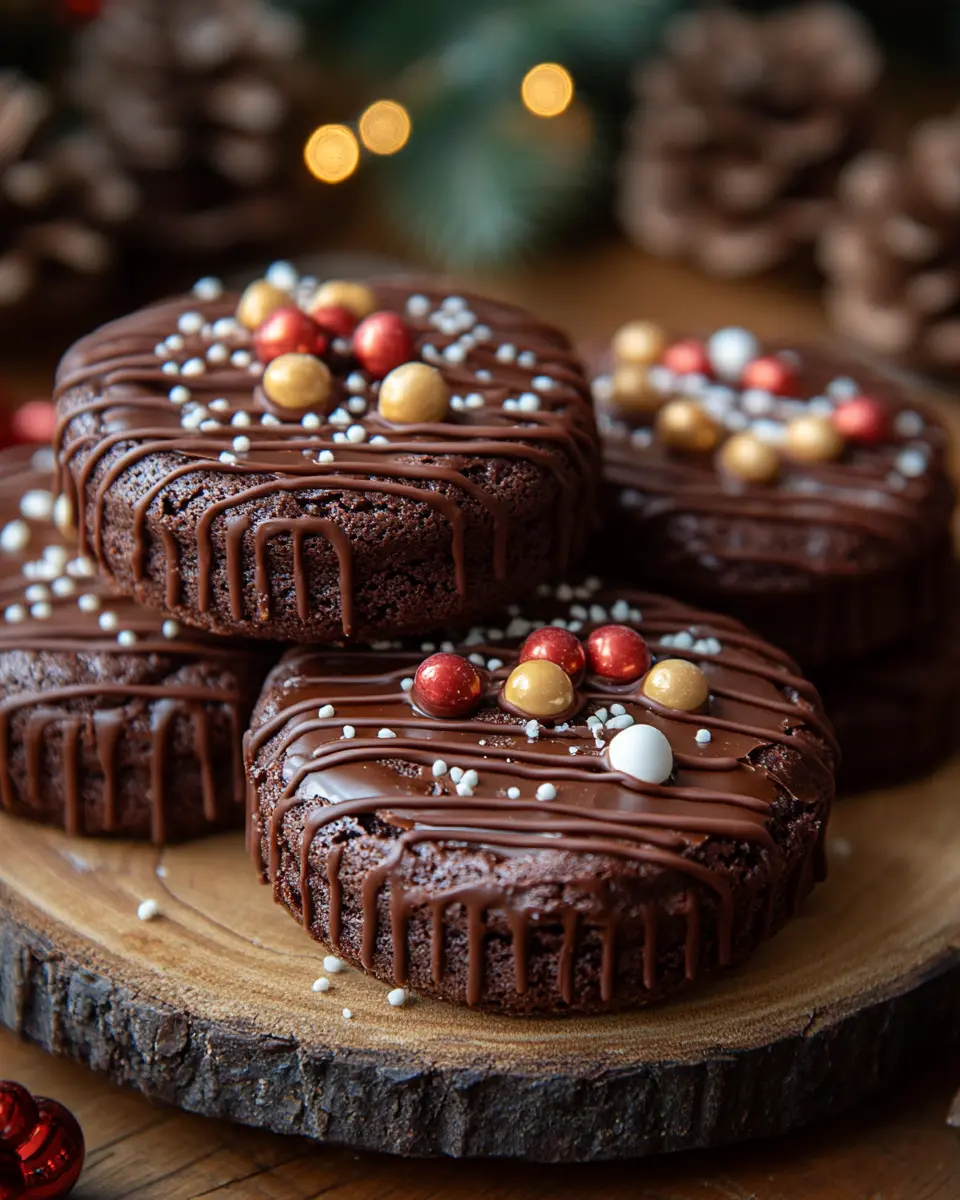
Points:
(332, 153)
(547, 89)
(385, 127)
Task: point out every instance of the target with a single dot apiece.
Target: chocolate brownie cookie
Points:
(897, 713)
(571, 817)
(395, 458)
(771, 484)
(112, 719)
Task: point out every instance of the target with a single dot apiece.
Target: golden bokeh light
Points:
(547, 89)
(385, 127)
(332, 153)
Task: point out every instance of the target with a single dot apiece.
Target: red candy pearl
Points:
(12, 1185)
(381, 342)
(34, 421)
(447, 685)
(688, 357)
(557, 646)
(617, 653)
(18, 1114)
(770, 374)
(52, 1156)
(335, 319)
(288, 331)
(862, 419)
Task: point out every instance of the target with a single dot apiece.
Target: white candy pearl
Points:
(729, 351)
(643, 752)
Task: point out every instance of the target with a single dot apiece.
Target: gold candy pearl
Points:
(539, 687)
(676, 683)
(640, 343)
(632, 390)
(297, 381)
(258, 301)
(746, 457)
(685, 425)
(345, 293)
(413, 394)
(812, 439)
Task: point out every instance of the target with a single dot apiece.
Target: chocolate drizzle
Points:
(520, 405)
(110, 668)
(375, 803)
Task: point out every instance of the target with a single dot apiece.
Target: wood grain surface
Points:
(899, 1148)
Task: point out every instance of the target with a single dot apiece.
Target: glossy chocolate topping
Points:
(53, 605)
(338, 742)
(876, 505)
(171, 395)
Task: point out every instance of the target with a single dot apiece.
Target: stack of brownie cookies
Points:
(809, 498)
(473, 769)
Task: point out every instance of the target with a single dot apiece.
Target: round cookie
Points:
(282, 502)
(112, 719)
(896, 714)
(770, 484)
(522, 864)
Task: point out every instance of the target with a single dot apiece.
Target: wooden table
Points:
(896, 1149)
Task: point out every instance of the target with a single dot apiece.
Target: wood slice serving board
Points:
(210, 1006)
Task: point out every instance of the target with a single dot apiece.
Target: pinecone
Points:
(891, 254)
(60, 196)
(741, 128)
(193, 96)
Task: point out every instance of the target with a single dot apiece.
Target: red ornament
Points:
(52, 1156)
(18, 1114)
(381, 342)
(862, 419)
(34, 421)
(447, 685)
(617, 653)
(288, 331)
(335, 320)
(688, 357)
(12, 1185)
(770, 374)
(558, 646)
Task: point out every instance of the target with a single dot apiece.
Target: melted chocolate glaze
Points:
(99, 691)
(833, 558)
(213, 528)
(379, 836)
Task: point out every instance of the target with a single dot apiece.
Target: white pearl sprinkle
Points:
(148, 910)
(439, 768)
(209, 425)
(241, 358)
(843, 388)
(464, 789)
(455, 353)
(81, 568)
(228, 457)
(126, 637)
(108, 621)
(193, 366)
(13, 614)
(283, 275)
(270, 420)
(513, 793)
(908, 423)
(37, 504)
(208, 288)
(418, 305)
(506, 353)
(174, 342)
(326, 711)
(161, 351)
(224, 327)
(532, 729)
(397, 998)
(541, 383)
(546, 791)
(333, 965)
(321, 985)
(528, 402)
(190, 322)
(63, 586)
(170, 368)
(37, 591)
(220, 405)
(348, 732)
(356, 381)
(643, 752)
(456, 774)
(41, 610)
(179, 394)
(15, 537)
(911, 462)
(88, 602)
(703, 736)
(170, 629)
(241, 444)
(729, 350)
(347, 1014)
(356, 433)
(325, 456)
